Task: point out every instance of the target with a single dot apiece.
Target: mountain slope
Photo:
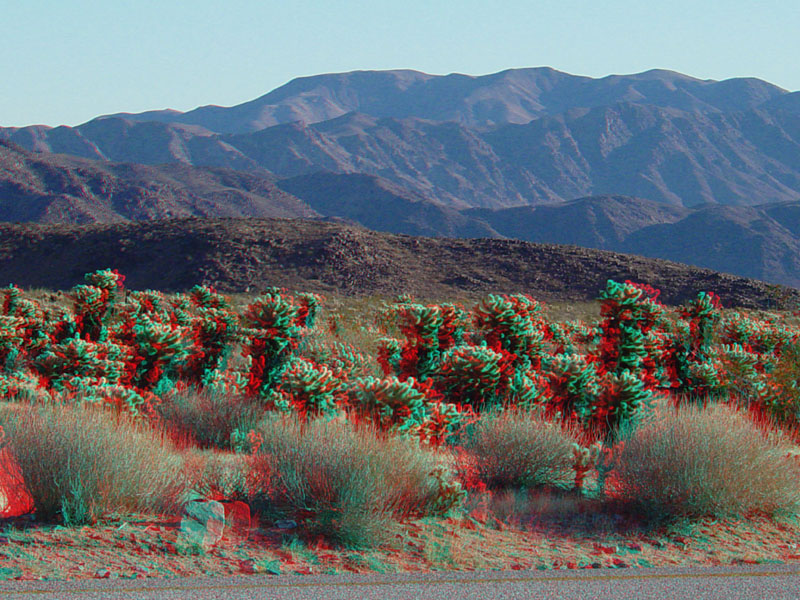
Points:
(601, 222)
(761, 242)
(380, 205)
(51, 188)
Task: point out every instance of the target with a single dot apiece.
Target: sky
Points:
(67, 61)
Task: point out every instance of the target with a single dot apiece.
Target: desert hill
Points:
(762, 242)
(251, 254)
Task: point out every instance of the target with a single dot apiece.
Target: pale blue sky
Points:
(66, 61)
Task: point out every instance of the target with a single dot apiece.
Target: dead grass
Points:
(208, 417)
(342, 482)
(80, 463)
(518, 449)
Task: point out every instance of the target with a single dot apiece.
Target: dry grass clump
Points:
(518, 449)
(80, 463)
(694, 462)
(208, 417)
(342, 482)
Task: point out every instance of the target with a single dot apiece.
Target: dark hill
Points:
(600, 222)
(241, 254)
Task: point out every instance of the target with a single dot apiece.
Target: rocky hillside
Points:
(250, 254)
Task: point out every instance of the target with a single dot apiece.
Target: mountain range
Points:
(657, 163)
(520, 137)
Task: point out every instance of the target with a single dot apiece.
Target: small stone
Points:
(102, 574)
(286, 524)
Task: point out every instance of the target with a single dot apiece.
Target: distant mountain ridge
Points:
(510, 96)
(53, 188)
(661, 164)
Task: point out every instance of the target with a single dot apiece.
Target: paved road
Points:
(765, 581)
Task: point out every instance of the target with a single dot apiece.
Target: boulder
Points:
(203, 522)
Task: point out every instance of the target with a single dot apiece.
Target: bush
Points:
(695, 462)
(517, 449)
(209, 417)
(342, 482)
(80, 463)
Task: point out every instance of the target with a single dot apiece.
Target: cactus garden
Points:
(391, 433)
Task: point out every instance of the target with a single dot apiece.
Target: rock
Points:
(286, 524)
(251, 566)
(203, 522)
(15, 500)
(102, 574)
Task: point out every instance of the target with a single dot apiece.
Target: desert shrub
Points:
(714, 461)
(519, 449)
(342, 482)
(217, 475)
(80, 463)
(208, 417)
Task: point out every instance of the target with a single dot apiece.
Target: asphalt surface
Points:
(775, 582)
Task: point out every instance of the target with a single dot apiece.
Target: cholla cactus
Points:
(213, 332)
(272, 338)
(628, 314)
(512, 324)
(742, 370)
(429, 331)
(393, 404)
(624, 398)
(158, 350)
(10, 341)
(574, 386)
(703, 315)
(85, 360)
(93, 303)
(583, 460)
(474, 375)
(308, 306)
(308, 388)
(344, 359)
(203, 296)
